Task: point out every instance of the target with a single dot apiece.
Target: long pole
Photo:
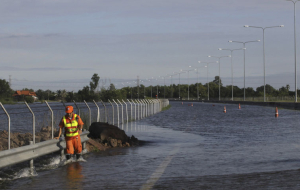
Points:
(171, 87)
(188, 85)
(197, 84)
(231, 78)
(231, 50)
(179, 85)
(295, 47)
(244, 72)
(247, 26)
(244, 46)
(219, 79)
(207, 84)
(219, 73)
(264, 57)
(151, 89)
(164, 88)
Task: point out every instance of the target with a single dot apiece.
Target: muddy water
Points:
(186, 147)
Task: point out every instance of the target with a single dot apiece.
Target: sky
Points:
(60, 44)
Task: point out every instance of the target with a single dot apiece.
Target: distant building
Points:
(20, 94)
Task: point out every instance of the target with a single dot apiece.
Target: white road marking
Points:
(159, 170)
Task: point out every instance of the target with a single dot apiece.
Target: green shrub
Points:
(29, 99)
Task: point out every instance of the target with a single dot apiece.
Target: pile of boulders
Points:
(22, 139)
(110, 135)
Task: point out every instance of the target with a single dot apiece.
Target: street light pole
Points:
(219, 57)
(188, 71)
(244, 43)
(264, 57)
(295, 47)
(207, 77)
(179, 81)
(151, 87)
(231, 50)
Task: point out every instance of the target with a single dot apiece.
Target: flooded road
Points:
(186, 147)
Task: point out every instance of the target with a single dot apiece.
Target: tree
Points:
(84, 94)
(288, 87)
(216, 81)
(61, 94)
(5, 90)
(94, 83)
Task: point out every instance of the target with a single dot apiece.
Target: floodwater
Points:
(185, 147)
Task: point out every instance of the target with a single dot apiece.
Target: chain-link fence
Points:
(23, 121)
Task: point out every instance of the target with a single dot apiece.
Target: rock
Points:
(113, 142)
(127, 144)
(119, 142)
(105, 130)
(46, 129)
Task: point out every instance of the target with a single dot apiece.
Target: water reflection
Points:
(74, 175)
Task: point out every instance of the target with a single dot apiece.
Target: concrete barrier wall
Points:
(286, 105)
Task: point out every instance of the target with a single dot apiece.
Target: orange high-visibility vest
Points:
(71, 128)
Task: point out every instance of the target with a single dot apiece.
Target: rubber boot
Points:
(78, 156)
(68, 156)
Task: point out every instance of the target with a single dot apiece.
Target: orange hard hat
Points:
(69, 109)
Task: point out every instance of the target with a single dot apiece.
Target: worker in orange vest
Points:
(72, 124)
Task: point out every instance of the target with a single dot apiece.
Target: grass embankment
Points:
(166, 108)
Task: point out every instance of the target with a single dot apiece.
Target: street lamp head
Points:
(229, 55)
(258, 40)
(281, 26)
(199, 61)
(190, 66)
(209, 56)
(243, 48)
(246, 26)
(220, 48)
(229, 41)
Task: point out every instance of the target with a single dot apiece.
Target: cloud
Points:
(18, 36)
(7, 68)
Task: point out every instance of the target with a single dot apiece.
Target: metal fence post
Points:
(122, 110)
(145, 102)
(98, 113)
(77, 107)
(31, 161)
(126, 110)
(130, 109)
(141, 103)
(51, 118)
(117, 112)
(145, 108)
(147, 112)
(142, 108)
(33, 122)
(8, 140)
(153, 106)
(105, 114)
(113, 118)
(134, 109)
(89, 112)
(138, 112)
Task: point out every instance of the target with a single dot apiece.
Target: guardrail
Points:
(29, 152)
